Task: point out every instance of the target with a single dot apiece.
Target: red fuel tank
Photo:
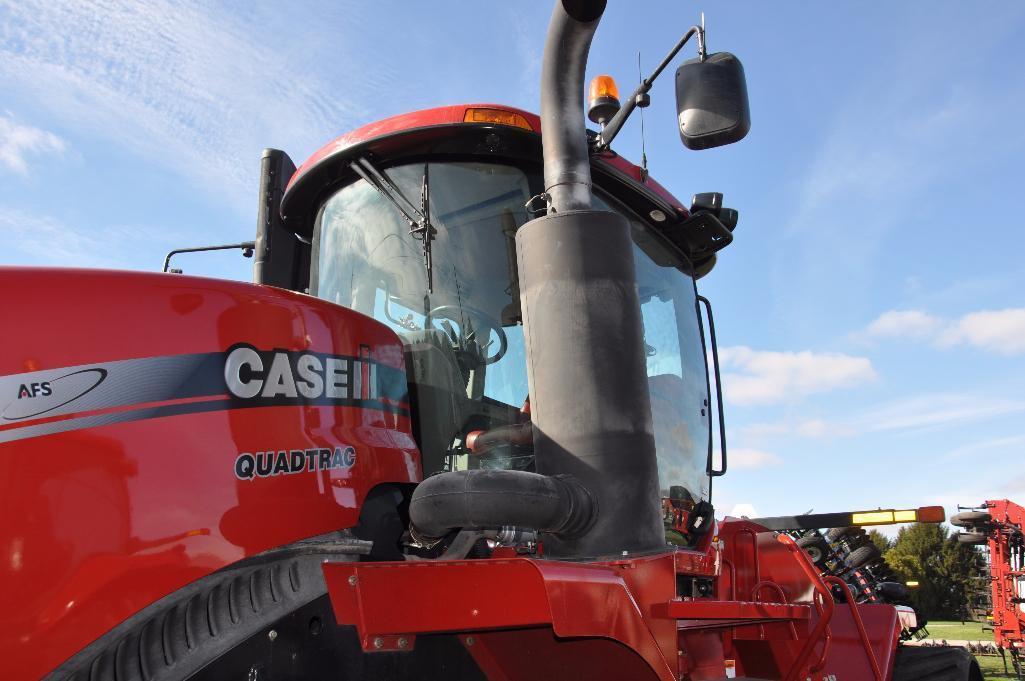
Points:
(156, 427)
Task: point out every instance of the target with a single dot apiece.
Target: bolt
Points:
(352, 580)
(378, 642)
(272, 634)
(403, 642)
(470, 640)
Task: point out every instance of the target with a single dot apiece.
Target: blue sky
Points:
(871, 312)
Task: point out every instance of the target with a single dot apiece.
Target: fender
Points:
(143, 470)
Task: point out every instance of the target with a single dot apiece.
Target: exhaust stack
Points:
(582, 321)
(597, 494)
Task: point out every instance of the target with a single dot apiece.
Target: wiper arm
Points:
(419, 219)
(425, 230)
(379, 181)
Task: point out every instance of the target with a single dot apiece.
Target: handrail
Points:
(754, 549)
(832, 579)
(828, 607)
(783, 596)
(826, 639)
(733, 578)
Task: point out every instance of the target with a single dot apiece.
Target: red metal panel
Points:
(442, 115)
(847, 659)
(615, 602)
(610, 600)
(713, 609)
(523, 618)
(432, 596)
(453, 115)
(103, 520)
(538, 654)
(764, 566)
(859, 624)
(704, 561)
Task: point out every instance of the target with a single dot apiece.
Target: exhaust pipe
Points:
(564, 140)
(597, 492)
(582, 322)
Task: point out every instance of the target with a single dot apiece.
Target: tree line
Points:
(944, 568)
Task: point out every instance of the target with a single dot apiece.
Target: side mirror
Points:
(711, 101)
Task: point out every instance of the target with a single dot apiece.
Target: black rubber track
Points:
(180, 634)
(935, 664)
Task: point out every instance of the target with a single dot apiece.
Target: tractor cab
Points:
(448, 436)
(412, 221)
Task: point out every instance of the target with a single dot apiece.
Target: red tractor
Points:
(461, 427)
(1000, 526)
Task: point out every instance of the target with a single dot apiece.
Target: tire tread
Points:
(184, 634)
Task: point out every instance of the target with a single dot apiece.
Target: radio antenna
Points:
(644, 155)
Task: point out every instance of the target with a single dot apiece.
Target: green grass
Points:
(992, 665)
(955, 631)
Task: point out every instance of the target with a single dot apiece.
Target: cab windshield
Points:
(466, 363)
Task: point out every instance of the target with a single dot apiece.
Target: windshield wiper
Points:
(419, 219)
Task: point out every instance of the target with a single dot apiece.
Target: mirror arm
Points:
(612, 128)
(247, 251)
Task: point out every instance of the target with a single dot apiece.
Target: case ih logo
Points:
(280, 374)
(287, 462)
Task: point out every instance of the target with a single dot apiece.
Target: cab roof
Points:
(387, 137)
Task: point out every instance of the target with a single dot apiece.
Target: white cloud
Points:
(19, 141)
(743, 510)
(43, 239)
(904, 323)
(195, 87)
(810, 428)
(46, 239)
(913, 414)
(1001, 331)
(763, 377)
(935, 410)
(1014, 443)
(745, 458)
(817, 428)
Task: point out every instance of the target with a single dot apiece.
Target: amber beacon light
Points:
(602, 99)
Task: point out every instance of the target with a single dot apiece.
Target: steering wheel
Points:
(469, 335)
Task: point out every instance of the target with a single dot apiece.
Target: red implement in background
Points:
(1007, 570)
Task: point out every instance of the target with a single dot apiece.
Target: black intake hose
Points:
(496, 498)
